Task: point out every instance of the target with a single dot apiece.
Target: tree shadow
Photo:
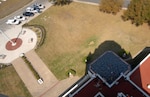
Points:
(2, 95)
(108, 45)
(62, 3)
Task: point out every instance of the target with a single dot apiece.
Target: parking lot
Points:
(4, 26)
(29, 12)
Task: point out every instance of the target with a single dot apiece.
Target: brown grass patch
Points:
(71, 28)
(11, 85)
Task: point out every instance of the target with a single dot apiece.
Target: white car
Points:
(33, 10)
(13, 22)
(20, 18)
(40, 6)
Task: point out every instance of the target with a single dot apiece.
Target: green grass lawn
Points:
(75, 30)
(11, 84)
(10, 6)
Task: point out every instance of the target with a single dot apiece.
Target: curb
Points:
(85, 2)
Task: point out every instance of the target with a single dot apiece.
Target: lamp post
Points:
(19, 34)
(12, 43)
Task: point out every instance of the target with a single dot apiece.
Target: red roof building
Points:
(110, 76)
(140, 76)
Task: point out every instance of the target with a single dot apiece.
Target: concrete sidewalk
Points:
(60, 87)
(51, 86)
(28, 78)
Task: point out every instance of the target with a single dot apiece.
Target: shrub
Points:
(72, 71)
(37, 76)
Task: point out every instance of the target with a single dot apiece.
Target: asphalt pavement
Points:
(125, 5)
(4, 26)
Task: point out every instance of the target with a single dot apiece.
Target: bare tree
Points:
(61, 2)
(111, 6)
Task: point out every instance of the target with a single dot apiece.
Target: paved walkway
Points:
(60, 87)
(28, 78)
(51, 86)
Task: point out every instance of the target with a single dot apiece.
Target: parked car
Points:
(28, 14)
(33, 9)
(20, 18)
(13, 22)
(40, 6)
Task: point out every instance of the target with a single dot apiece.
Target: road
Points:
(125, 5)
(4, 26)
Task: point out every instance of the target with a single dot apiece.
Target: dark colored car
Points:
(28, 14)
(40, 6)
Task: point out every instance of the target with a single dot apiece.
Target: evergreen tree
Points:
(111, 6)
(138, 12)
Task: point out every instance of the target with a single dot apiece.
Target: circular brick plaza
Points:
(16, 45)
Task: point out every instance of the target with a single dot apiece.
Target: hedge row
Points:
(37, 76)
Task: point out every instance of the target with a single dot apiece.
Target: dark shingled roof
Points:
(109, 66)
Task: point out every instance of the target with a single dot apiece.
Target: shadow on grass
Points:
(116, 48)
(137, 59)
(108, 45)
(2, 95)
